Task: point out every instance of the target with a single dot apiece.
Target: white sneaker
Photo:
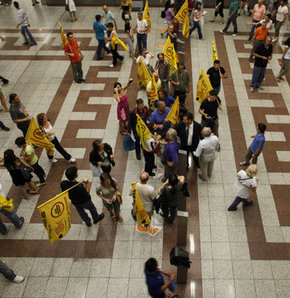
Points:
(252, 89)
(275, 39)
(235, 34)
(112, 65)
(222, 32)
(53, 160)
(18, 279)
(72, 160)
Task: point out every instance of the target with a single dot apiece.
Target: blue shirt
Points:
(170, 152)
(99, 29)
(154, 282)
(158, 118)
(259, 141)
(234, 6)
(169, 101)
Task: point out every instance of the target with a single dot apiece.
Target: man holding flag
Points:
(152, 89)
(215, 73)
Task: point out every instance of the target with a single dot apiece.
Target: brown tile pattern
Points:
(259, 248)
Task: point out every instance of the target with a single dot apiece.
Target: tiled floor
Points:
(241, 254)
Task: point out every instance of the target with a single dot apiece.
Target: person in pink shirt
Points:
(259, 12)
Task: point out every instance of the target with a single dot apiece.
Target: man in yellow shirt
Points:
(28, 153)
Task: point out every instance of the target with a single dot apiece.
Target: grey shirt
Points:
(19, 112)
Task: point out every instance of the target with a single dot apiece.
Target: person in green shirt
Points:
(28, 153)
(232, 18)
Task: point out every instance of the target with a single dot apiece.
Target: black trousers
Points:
(39, 172)
(60, 149)
(137, 145)
(116, 55)
(149, 161)
(4, 81)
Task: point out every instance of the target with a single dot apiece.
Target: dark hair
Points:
(197, 4)
(71, 173)
(20, 141)
(216, 62)
(287, 42)
(189, 116)
(151, 265)
(40, 118)
(213, 92)
(181, 64)
(116, 84)
(173, 181)
(96, 145)
(164, 92)
(139, 101)
(262, 127)
(104, 176)
(98, 17)
(110, 25)
(160, 54)
(10, 159)
(11, 97)
(68, 34)
(269, 16)
(16, 4)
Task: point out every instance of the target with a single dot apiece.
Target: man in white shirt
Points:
(24, 24)
(147, 193)
(281, 18)
(142, 28)
(206, 152)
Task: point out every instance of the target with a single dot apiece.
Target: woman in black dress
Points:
(126, 10)
(16, 168)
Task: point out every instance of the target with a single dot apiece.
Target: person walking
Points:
(263, 54)
(205, 151)
(28, 153)
(281, 17)
(108, 17)
(259, 12)
(256, 146)
(18, 113)
(71, 49)
(114, 48)
(80, 196)
(163, 67)
(108, 192)
(70, 4)
(246, 180)
(219, 10)
(142, 29)
(197, 15)
(285, 61)
(24, 25)
(259, 38)
(100, 35)
(47, 128)
(232, 18)
(215, 73)
(9, 274)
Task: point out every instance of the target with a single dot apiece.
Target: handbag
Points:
(26, 172)
(66, 7)
(123, 115)
(128, 144)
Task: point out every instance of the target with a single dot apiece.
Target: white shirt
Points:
(146, 60)
(149, 144)
(208, 146)
(141, 26)
(243, 184)
(1, 190)
(287, 55)
(48, 130)
(147, 194)
(269, 24)
(282, 10)
(22, 16)
(190, 134)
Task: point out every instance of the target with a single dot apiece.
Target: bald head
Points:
(144, 177)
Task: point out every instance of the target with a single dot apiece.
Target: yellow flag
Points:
(203, 87)
(62, 35)
(56, 216)
(141, 214)
(117, 40)
(183, 12)
(144, 76)
(146, 15)
(6, 204)
(154, 93)
(185, 27)
(142, 131)
(173, 115)
(170, 55)
(214, 53)
(36, 136)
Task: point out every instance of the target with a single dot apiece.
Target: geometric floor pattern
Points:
(239, 254)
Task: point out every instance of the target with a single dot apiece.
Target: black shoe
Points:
(138, 157)
(22, 220)
(4, 84)
(98, 59)
(232, 209)
(163, 180)
(25, 43)
(100, 217)
(186, 193)
(83, 80)
(248, 203)
(33, 4)
(5, 128)
(88, 224)
(34, 44)
(151, 174)
(78, 81)
(154, 167)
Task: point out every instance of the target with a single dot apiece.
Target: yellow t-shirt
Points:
(149, 86)
(29, 150)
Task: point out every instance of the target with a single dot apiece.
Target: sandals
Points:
(33, 192)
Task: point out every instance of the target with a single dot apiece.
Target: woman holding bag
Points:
(108, 192)
(20, 171)
(47, 128)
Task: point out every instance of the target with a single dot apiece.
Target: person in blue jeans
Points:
(9, 274)
(196, 20)
(232, 17)
(246, 180)
(100, 35)
(256, 146)
(154, 279)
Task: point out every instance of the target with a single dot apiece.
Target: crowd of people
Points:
(199, 140)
